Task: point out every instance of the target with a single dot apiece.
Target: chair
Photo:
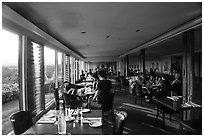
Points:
(120, 118)
(90, 98)
(21, 121)
(146, 93)
(73, 100)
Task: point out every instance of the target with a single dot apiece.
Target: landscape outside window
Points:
(60, 74)
(49, 60)
(10, 79)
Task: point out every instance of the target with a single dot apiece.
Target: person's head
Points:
(151, 77)
(102, 73)
(68, 85)
(174, 72)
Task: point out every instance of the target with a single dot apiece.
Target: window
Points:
(10, 82)
(60, 73)
(49, 60)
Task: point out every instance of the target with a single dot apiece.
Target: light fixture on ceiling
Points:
(108, 36)
(137, 30)
(83, 32)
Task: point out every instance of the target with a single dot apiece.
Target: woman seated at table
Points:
(176, 85)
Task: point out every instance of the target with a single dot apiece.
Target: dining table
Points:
(72, 127)
(176, 104)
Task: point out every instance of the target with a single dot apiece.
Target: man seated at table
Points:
(69, 89)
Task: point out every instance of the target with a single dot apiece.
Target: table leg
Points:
(181, 122)
(157, 115)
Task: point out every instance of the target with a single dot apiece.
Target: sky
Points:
(9, 50)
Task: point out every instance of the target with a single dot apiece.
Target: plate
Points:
(95, 124)
(86, 110)
(69, 118)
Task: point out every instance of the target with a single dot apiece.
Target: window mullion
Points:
(23, 73)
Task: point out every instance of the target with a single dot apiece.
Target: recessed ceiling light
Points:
(137, 30)
(83, 32)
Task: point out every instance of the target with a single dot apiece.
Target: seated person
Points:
(82, 76)
(151, 79)
(158, 81)
(148, 83)
(176, 85)
(89, 78)
(70, 89)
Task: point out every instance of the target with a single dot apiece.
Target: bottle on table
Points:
(61, 120)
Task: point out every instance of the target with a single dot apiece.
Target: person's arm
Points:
(174, 82)
(70, 91)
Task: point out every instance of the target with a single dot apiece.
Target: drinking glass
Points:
(79, 115)
(67, 111)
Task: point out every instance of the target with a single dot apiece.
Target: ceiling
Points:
(172, 46)
(106, 29)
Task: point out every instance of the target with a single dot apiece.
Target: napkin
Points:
(46, 120)
(185, 105)
(174, 97)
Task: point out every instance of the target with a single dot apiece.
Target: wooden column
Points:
(188, 64)
(142, 61)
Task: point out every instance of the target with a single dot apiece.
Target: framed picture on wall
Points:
(165, 66)
(152, 65)
(157, 66)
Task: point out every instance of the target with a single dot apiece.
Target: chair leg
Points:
(157, 114)
(141, 100)
(151, 100)
(163, 118)
(170, 117)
